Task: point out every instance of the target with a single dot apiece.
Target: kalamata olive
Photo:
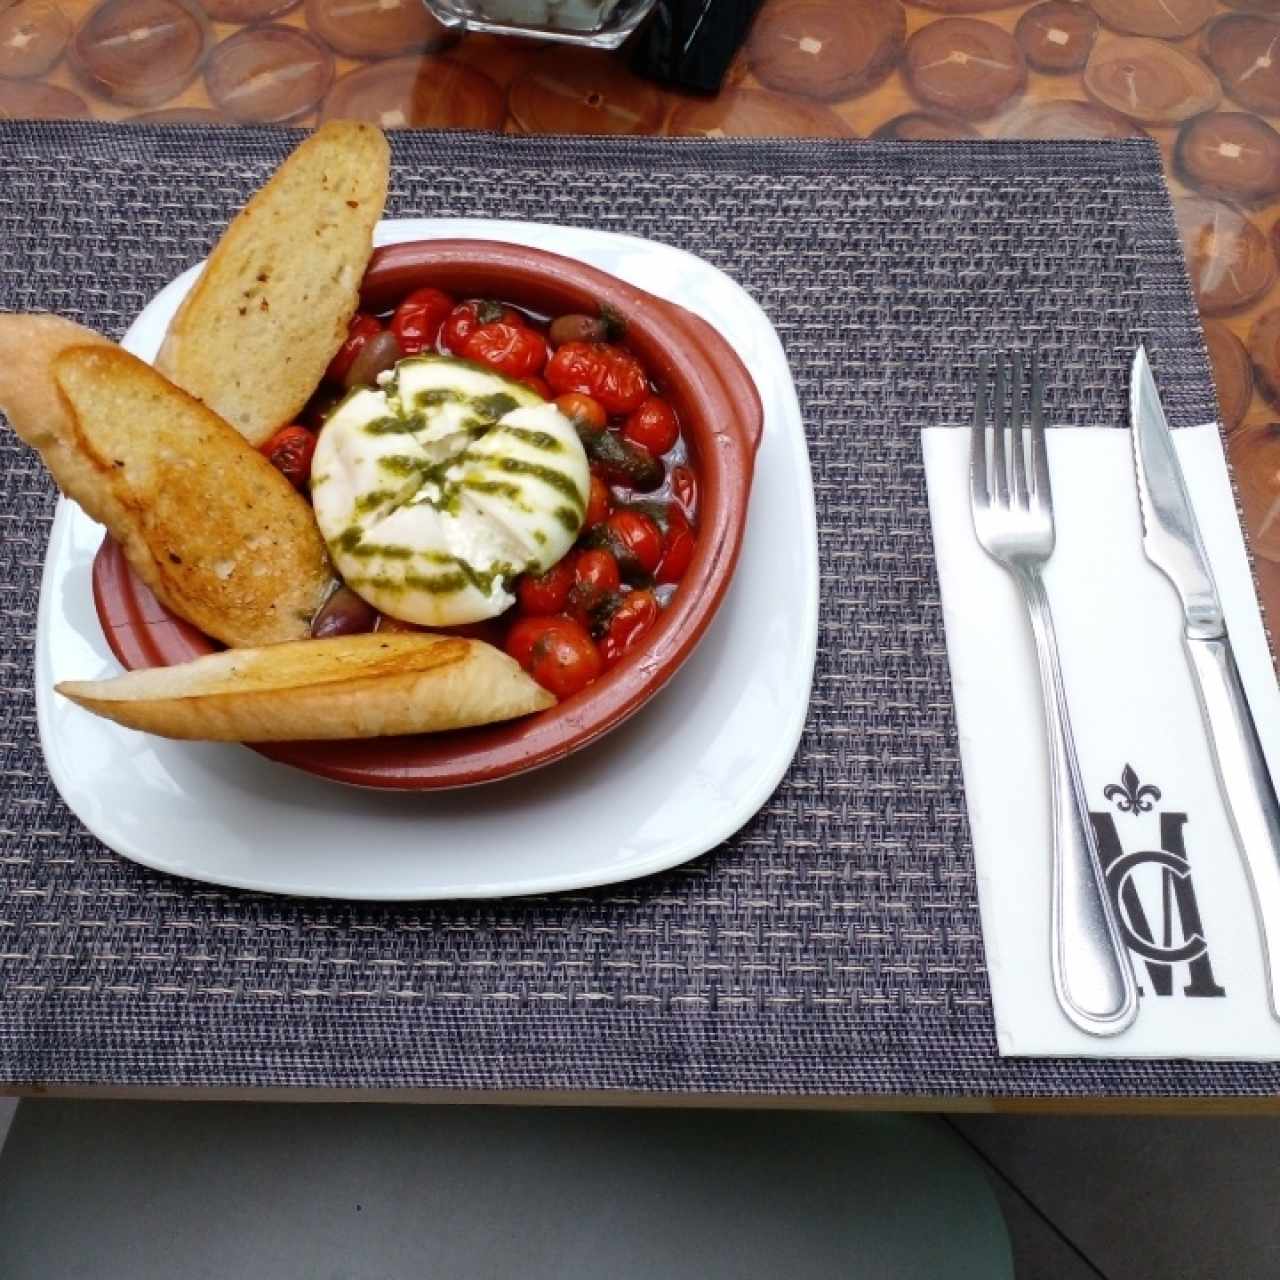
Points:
(343, 614)
(577, 328)
(625, 463)
(377, 355)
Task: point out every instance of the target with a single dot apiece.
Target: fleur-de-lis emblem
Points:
(1130, 795)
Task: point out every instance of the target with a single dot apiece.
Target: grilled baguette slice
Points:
(253, 337)
(364, 686)
(30, 399)
(218, 534)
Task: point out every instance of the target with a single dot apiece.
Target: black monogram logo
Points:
(1130, 796)
(1153, 894)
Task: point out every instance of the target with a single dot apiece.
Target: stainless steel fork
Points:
(1013, 516)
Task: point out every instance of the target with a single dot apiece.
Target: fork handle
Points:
(1092, 974)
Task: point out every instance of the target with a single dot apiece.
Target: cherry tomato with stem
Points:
(557, 652)
(510, 349)
(607, 373)
(546, 593)
(290, 451)
(468, 316)
(417, 320)
(361, 328)
(653, 426)
(632, 620)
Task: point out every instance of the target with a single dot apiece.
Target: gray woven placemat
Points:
(833, 946)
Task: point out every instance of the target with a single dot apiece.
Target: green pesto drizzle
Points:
(572, 520)
(392, 426)
(401, 464)
(498, 488)
(383, 550)
(548, 475)
(543, 440)
(368, 502)
(494, 406)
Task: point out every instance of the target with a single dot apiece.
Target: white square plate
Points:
(674, 781)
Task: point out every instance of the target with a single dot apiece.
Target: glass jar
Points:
(598, 24)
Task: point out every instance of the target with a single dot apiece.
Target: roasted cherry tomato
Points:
(599, 503)
(557, 652)
(362, 327)
(538, 386)
(289, 451)
(631, 621)
(583, 411)
(467, 317)
(596, 569)
(596, 581)
(546, 593)
(509, 348)
(684, 487)
(636, 538)
(653, 426)
(598, 369)
(677, 547)
(418, 318)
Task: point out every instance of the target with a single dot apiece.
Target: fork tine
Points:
(999, 463)
(978, 493)
(1039, 452)
(1017, 458)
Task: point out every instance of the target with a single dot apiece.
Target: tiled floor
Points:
(1083, 1197)
(1136, 1198)
(212, 1191)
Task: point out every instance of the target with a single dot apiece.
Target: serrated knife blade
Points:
(1170, 534)
(1172, 542)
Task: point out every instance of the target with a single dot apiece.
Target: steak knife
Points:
(1171, 540)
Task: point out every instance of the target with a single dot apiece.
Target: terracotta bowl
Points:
(722, 419)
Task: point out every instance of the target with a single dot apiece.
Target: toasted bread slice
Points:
(366, 686)
(253, 337)
(28, 396)
(205, 520)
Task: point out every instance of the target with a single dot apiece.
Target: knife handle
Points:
(1245, 782)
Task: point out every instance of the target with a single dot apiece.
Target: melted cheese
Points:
(436, 490)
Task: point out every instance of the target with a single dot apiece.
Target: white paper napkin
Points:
(1138, 730)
